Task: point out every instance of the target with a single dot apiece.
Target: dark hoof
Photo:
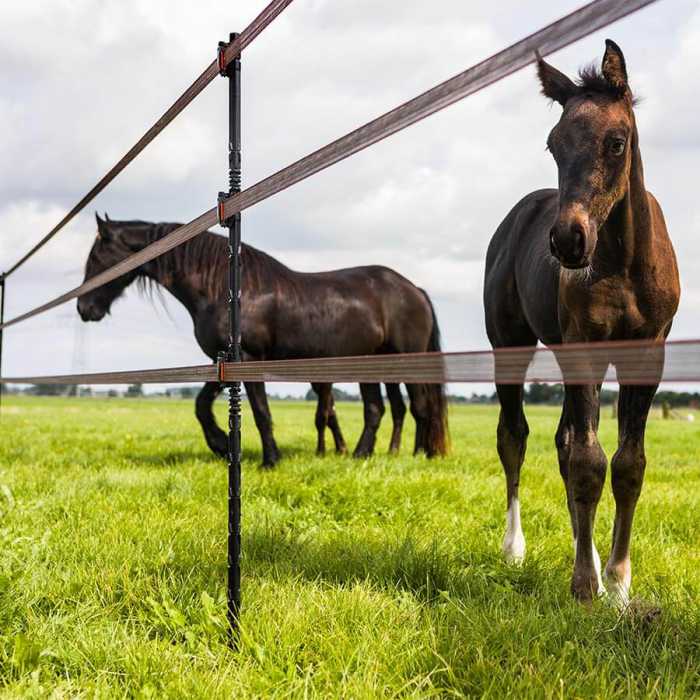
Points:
(362, 454)
(219, 447)
(270, 460)
(585, 589)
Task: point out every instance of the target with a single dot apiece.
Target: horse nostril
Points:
(579, 240)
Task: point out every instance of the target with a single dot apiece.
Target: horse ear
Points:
(614, 67)
(103, 231)
(555, 84)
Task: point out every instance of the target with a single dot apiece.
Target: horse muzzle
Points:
(572, 244)
(90, 312)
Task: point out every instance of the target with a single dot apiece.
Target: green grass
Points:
(361, 579)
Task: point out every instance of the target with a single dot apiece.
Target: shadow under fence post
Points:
(232, 72)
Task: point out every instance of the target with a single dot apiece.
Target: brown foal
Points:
(589, 261)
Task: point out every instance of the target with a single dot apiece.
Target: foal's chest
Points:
(613, 308)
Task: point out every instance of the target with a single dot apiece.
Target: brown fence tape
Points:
(171, 375)
(630, 362)
(272, 10)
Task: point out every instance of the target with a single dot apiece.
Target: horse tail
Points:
(437, 439)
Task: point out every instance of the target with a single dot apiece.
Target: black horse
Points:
(285, 315)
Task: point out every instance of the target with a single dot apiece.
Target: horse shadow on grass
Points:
(178, 457)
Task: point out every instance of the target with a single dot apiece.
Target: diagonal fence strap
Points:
(574, 26)
(628, 362)
(271, 11)
(172, 240)
(555, 36)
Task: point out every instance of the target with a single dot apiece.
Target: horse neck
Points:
(189, 287)
(630, 226)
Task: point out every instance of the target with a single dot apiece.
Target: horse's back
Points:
(521, 278)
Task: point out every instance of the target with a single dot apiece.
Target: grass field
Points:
(361, 579)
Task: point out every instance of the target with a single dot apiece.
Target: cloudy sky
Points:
(80, 80)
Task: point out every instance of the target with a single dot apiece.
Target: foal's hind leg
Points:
(512, 442)
(398, 412)
(627, 474)
(374, 410)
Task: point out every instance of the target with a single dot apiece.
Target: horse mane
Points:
(207, 256)
(591, 79)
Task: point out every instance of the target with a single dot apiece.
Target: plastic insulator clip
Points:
(221, 200)
(222, 358)
(221, 57)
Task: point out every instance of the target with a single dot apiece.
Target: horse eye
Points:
(617, 147)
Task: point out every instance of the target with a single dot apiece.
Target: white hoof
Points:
(514, 547)
(619, 589)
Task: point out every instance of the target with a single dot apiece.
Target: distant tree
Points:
(187, 392)
(338, 395)
(134, 390)
(112, 393)
(52, 390)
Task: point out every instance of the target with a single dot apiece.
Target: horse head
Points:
(593, 145)
(115, 241)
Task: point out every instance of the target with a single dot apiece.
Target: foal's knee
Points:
(588, 465)
(512, 438)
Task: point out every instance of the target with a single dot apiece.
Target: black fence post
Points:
(2, 320)
(233, 353)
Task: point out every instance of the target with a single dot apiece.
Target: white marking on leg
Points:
(618, 588)
(514, 540)
(596, 566)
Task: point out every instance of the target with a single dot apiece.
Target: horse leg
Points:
(374, 410)
(627, 474)
(323, 392)
(419, 411)
(216, 438)
(257, 398)
(512, 435)
(398, 411)
(562, 441)
(585, 479)
(333, 425)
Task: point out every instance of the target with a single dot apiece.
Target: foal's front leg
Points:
(585, 476)
(627, 474)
